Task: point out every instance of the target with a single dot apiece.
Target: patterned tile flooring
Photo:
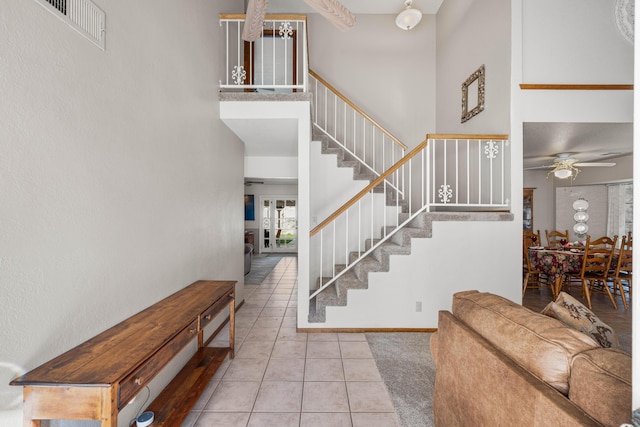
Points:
(283, 378)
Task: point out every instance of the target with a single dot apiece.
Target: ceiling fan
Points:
(564, 166)
(332, 10)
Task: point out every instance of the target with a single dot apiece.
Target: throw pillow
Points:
(577, 316)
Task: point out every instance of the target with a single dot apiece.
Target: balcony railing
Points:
(469, 172)
(276, 62)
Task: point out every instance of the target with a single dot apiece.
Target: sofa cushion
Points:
(538, 343)
(601, 384)
(576, 315)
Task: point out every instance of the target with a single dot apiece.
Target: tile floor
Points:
(283, 378)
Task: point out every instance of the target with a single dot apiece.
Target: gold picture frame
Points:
(473, 94)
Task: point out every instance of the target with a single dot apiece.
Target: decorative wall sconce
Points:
(581, 217)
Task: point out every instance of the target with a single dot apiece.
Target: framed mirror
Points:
(473, 95)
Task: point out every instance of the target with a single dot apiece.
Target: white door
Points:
(279, 231)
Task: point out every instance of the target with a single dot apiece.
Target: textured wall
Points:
(119, 184)
(388, 72)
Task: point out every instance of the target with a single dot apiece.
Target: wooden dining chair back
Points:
(533, 236)
(531, 276)
(554, 237)
(623, 271)
(595, 267)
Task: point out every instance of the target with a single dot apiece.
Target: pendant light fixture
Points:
(409, 17)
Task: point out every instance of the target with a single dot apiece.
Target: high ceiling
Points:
(357, 6)
(587, 142)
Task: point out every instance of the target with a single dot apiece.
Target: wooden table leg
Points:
(70, 403)
(557, 287)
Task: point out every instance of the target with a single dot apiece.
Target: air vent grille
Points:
(61, 5)
(84, 16)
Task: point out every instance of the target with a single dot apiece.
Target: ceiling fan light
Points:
(409, 17)
(562, 173)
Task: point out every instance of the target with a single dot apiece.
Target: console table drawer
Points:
(133, 383)
(211, 311)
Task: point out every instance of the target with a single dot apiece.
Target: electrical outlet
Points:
(418, 306)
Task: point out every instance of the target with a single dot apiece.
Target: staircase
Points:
(377, 261)
(445, 178)
(463, 172)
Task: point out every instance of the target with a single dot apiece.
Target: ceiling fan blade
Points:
(587, 164)
(333, 12)
(253, 20)
(539, 167)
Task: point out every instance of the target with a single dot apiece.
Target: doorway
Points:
(279, 224)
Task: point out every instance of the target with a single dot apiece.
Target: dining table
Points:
(556, 263)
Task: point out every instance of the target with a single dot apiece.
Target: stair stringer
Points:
(430, 274)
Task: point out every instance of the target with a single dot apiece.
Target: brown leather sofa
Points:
(501, 364)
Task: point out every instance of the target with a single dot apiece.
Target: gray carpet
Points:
(261, 266)
(405, 364)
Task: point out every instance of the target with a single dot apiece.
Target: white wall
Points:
(431, 274)
(577, 43)
(389, 73)
(119, 183)
(271, 167)
(471, 34)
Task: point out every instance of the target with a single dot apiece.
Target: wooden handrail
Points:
(466, 136)
(369, 187)
(267, 17)
(537, 86)
(356, 108)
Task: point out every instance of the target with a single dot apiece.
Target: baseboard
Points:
(363, 330)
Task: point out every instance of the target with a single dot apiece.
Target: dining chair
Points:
(532, 277)
(623, 271)
(596, 261)
(534, 236)
(554, 237)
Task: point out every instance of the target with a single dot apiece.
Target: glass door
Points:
(279, 224)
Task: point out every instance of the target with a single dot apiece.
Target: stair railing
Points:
(469, 172)
(369, 219)
(445, 172)
(350, 128)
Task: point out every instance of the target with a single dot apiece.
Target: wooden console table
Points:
(96, 379)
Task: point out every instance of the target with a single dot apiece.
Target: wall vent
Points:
(84, 16)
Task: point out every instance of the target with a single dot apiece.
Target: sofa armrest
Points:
(477, 384)
(433, 346)
(600, 383)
